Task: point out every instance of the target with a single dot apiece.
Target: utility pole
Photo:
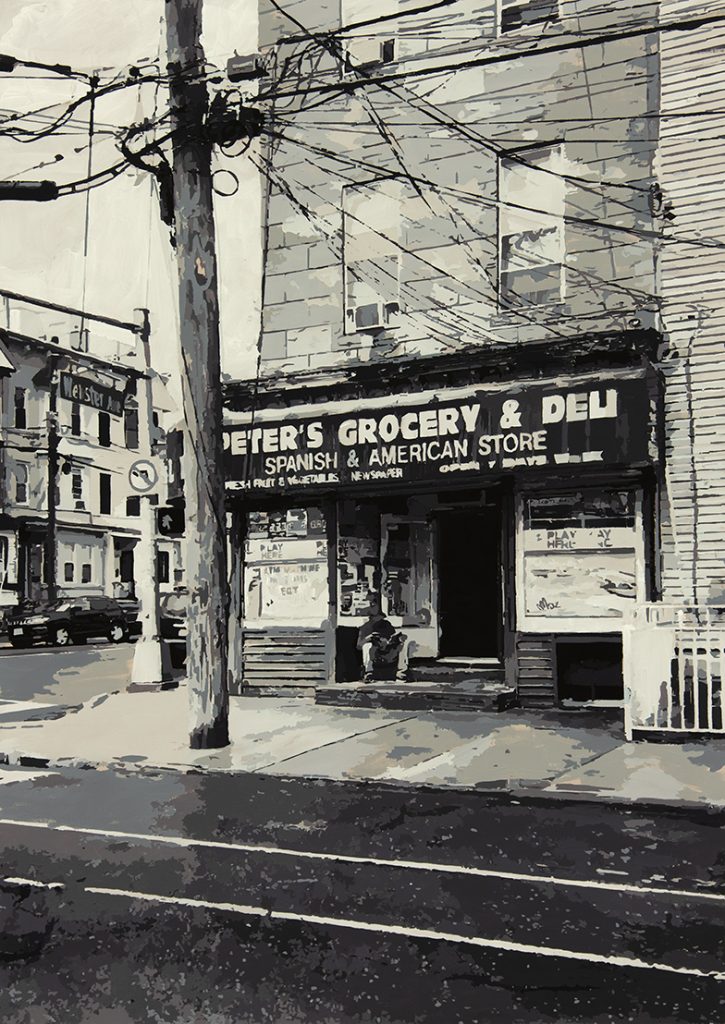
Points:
(51, 537)
(207, 643)
(147, 668)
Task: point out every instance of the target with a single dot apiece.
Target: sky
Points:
(130, 262)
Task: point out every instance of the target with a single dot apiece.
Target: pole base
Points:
(166, 684)
(147, 668)
(208, 737)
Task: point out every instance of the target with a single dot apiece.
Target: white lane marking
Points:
(346, 858)
(33, 883)
(20, 775)
(406, 931)
(9, 707)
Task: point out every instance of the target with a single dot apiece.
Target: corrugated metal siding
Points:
(535, 669)
(692, 282)
(290, 660)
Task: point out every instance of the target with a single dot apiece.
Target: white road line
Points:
(14, 775)
(405, 865)
(405, 931)
(33, 883)
(10, 707)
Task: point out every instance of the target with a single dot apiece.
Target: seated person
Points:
(381, 644)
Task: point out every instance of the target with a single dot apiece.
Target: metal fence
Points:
(674, 665)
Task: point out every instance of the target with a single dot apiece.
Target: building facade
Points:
(472, 396)
(71, 417)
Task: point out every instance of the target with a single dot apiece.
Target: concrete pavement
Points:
(557, 754)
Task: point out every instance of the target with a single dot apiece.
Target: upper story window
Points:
(77, 488)
(75, 419)
(21, 483)
(370, 45)
(517, 14)
(104, 429)
(130, 427)
(20, 419)
(372, 255)
(532, 195)
(104, 494)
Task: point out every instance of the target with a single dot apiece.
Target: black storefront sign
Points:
(446, 440)
(90, 393)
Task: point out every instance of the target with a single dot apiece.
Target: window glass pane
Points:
(358, 557)
(531, 225)
(104, 429)
(85, 573)
(130, 427)
(406, 571)
(68, 572)
(517, 14)
(579, 554)
(20, 412)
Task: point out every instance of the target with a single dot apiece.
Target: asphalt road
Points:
(233, 899)
(64, 675)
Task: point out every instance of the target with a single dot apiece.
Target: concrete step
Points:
(452, 672)
(472, 695)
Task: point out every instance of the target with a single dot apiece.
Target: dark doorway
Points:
(469, 583)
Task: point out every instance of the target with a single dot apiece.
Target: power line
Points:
(479, 200)
(682, 25)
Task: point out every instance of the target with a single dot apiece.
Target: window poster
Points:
(579, 553)
(286, 573)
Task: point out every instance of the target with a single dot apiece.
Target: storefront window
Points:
(580, 556)
(286, 574)
(358, 558)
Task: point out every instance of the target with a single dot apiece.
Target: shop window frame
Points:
(527, 623)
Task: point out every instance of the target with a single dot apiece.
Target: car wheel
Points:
(116, 633)
(62, 636)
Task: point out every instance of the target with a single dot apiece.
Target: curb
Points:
(531, 792)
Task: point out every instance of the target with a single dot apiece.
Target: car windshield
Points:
(59, 606)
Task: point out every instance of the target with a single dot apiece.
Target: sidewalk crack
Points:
(332, 743)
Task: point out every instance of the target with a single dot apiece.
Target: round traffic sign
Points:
(143, 476)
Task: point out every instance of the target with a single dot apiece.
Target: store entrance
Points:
(469, 583)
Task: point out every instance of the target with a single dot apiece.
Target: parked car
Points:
(70, 620)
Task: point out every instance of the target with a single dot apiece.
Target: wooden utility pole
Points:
(51, 536)
(201, 379)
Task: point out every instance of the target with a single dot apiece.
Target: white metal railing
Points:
(674, 668)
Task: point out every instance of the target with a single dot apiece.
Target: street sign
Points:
(143, 476)
(170, 520)
(92, 393)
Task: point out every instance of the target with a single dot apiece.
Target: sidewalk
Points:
(553, 753)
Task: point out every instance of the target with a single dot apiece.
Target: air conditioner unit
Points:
(246, 67)
(371, 316)
(364, 61)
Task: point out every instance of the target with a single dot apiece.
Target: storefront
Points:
(507, 526)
